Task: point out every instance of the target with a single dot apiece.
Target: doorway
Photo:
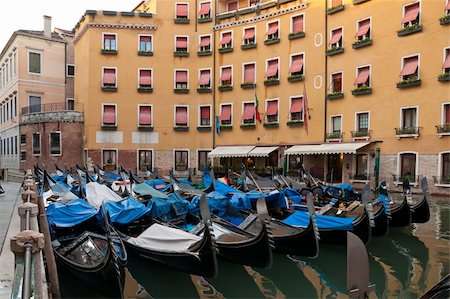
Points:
(334, 173)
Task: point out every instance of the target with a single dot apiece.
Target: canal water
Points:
(403, 264)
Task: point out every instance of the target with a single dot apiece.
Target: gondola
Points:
(420, 212)
(156, 242)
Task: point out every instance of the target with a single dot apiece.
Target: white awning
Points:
(325, 148)
(262, 151)
(230, 151)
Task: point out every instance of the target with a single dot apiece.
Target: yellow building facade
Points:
(174, 84)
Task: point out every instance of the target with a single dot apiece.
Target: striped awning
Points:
(230, 151)
(262, 151)
(325, 148)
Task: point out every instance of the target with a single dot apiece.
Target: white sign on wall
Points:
(108, 137)
(144, 137)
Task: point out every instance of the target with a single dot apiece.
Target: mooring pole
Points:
(376, 170)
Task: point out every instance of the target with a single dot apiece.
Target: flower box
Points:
(181, 54)
(442, 129)
(356, 2)
(444, 77)
(145, 89)
(334, 51)
(109, 127)
(271, 125)
(109, 167)
(361, 91)
(271, 82)
(181, 90)
(226, 15)
(204, 90)
(272, 41)
(145, 128)
(248, 85)
(409, 30)
(127, 13)
(335, 9)
(332, 96)
(362, 43)
(445, 20)
(225, 50)
(295, 123)
(294, 35)
(109, 52)
(204, 20)
(109, 88)
(181, 128)
(181, 21)
(145, 14)
(409, 83)
(203, 129)
(248, 46)
(248, 126)
(204, 53)
(295, 78)
(225, 87)
(226, 127)
(145, 53)
(407, 131)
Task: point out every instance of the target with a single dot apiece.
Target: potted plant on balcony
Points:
(225, 87)
(362, 43)
(109, 166)
(226, 49)
(271, 41)
(272, 124)
(295, 77)
(413, 28)
(445, 20)
(181, 53)
(335, 50)
(409, 82)
(294, 35)
(271, 81)
(204, 53)
(443, 129)
(445, 76)
(335, 95)
(363, 89)
(407, 131)
(248, 85)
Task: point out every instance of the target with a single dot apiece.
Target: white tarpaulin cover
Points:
(262, 151)
(230, 151)
(325, 148)
(96, 194)
(163, 238)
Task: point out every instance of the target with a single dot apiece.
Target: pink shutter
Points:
(205, 41)
(109, 76)
(335, 3)
(296, 105)
(205, 112)
(249, 111)
(273, 28)
(297, 64)
(145, 77)
(447, 114)
(363, 75)
(181, 42)
(336, 36)
(205, 78)
(232, 6)
(225, 114)
(411, 13)
(182, 10)
(226, 38)
(145, 115)
(447, 59)
(249, 73)
(204, 8)
(363, 28)
(226, 74)
(410, 66)
(448, 6)
(181, 116)
(181, 77)
(272, 68)
(272, 108)
(145, 39)
(249, 33)
(109, 115)
(297, 24)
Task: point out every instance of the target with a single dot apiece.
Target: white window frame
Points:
(303, 105)
(330, 130)
(267, 28)
(175, 42)
(200, 72)
(35, 51)
(67, 70)
(370, 72)
(439, 167)
(115, 72)
(200, 40)
(221, 72)
(232, 38)
(370, 25)
(443, 112)
(32, 144)
(331, 81)
(175, 114)
(243, 107)
(200, 116)
(139, 75)
(115, 110)
(103, 40)
(175, 8)
(232, 114)
(291, 27)
(243, 71)
(356, 125)
(110, 149)
(399, 162)
(174, 157)
(151, 112)
(342, 36)
(50, 144)
(444, 53)
(267, 66)
(418, 63)
(145, 35)
(420, 10)
(409, 107)
(145, 149)
(304, 61)
(197, 159)
(278, 109)
(243, 33)
(175, 77)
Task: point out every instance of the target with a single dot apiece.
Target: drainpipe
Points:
(213, 75)
(326, 75)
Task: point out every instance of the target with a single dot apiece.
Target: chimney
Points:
(47, 26)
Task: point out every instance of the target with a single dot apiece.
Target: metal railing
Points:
(361, 133)
(334, 135)
(443, 129)
(361, 177)
(407, 131)
(410, 178)
(442, 180)
(53, 107)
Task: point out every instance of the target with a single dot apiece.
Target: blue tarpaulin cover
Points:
(70, 214)
(224, 189)
(125, 211)
(293, 194)
(173, 207)
(146, 189)
(300, 218)
(158, 185)
(113, 176)
(386, 203)
(206, 178)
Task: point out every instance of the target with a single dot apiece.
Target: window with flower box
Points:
(272, 111)
(226, 115)
(181, 116)
(226, 41)
(109, 115)
(336, 43)
(181, 13)
(363, 34)
(445, 76)
(181, 45)
(297, 26)
(272, 73)
(205, 116)
(109, 79)
(145, 159)
(296, 69)
(205, 11)
(362, 81)
(204, 80)
(181, 80)
(145, 44)
(248, 115)
(248, 75)
(410, 73)
(145, 116)
(249, 36)
(205, 44)
(272, 33)
(336, 86)
(296, 109)
(411, 21)
(145, 80)
(109, 43)
(226, 77)
(181, 160)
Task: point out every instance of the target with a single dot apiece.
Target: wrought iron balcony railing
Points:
(443, 129)
(407, 131)
(361, 133)
(410, 178)
(53, 107)
(441, 180)
(334, 135)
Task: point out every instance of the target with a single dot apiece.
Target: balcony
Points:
(412, 179)
(334, 137)
(55, 112)
(443, 130)
(441, 181)
(407, 132)
(361, 134)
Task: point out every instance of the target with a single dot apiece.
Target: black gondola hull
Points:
(400, 214)
(381, 221)
(301, 243)
(420, 213)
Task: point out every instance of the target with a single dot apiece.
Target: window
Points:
(181, 44)
(407, 166)
(145, 78)
(226, 76)
(110, 42)
(225, 114)
(109, 115)
(205, 116)
(145, 43)
(296, 110)
(181, 116)
(109, 77)
(363, 32)
(35, 104)
(446, 65)
(15, 105)
(447, 9)
(361, 166)
(70, 70)
(363, 77)
(16, 146)
(23, 156)
(336, 40)
(145, 115)
(232, 5)
(181, 79)
(410, 69)
(109, 158)
(205, 10)
(249, 36)
(411, 15)
(14, 64)
(34, 63)
(203, 159)
(336, 3)
(226, 41)
(446, 115)
(445, 169)
(409, 118)
(145, 158)
(296, 69)
(272, 31)
(205, 43)
(181, 160)
(253, 2)
(362, 122)
(336, 83)
(70, 104)
(249, 73)
(272, 111)
(336, 124)
(23, 139)
(272, 69)
(55, 143)
(204, 80)
(248, 116)
(182, 11)
(36, 144)
(297, 24)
